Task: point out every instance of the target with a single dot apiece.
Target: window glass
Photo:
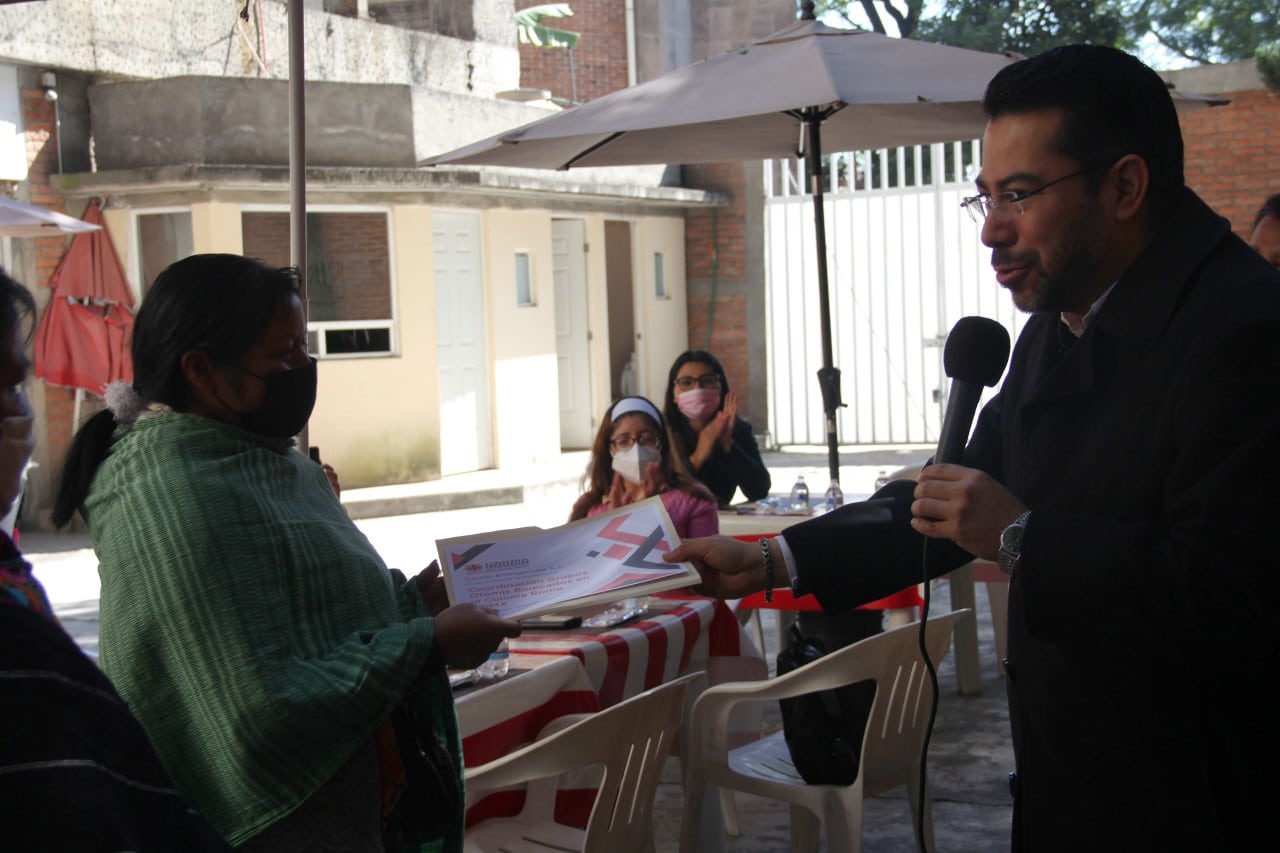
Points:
(524, 283)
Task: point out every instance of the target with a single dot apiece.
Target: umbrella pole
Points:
(298, 163)
(828, 374)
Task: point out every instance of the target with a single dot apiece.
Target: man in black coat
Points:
(1120, 476)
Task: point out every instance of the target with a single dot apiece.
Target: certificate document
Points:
(605, 558)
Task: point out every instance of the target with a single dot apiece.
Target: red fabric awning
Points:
(83, 337)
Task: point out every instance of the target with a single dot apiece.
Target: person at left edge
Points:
(77, 772)
(293, 686)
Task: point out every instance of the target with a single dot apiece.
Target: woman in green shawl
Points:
(293, 686)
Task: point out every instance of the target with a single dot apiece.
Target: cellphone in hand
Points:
(314, 453)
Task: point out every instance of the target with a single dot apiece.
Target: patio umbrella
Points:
(782, 96)
(82, 340)
(27, 220)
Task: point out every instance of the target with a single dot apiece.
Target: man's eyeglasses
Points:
(982, 205)
(706, 380)
(644, 439)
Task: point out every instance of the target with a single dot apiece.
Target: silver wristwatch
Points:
(1011, 543)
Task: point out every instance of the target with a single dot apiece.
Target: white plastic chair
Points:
(890, 747)
(629, 741)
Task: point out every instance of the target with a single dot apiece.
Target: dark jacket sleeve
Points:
(739, 467)
(866, 550)
(77, 772)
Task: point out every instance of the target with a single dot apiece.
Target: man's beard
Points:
(1066, 280)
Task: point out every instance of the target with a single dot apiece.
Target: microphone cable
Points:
(933, 704)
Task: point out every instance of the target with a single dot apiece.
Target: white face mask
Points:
(632, 462)
(17, 441)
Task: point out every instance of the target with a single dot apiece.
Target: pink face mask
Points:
(699, 404)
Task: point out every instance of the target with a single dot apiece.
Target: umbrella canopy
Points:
(27, 220)
(83, 337)
(782, 96)
(746, 104)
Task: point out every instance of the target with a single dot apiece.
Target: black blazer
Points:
(1144, 614)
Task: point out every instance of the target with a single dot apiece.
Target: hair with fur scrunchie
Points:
(123, 401)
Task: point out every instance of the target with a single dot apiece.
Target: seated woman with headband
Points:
(629, 463)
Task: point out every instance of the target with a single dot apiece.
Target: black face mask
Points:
(290, 397)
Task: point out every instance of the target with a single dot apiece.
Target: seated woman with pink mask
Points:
(715, 444)
(628, 464)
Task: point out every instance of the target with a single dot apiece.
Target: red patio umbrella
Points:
(83, 338)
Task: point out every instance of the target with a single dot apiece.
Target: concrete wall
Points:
(170, 38)
(237, 120)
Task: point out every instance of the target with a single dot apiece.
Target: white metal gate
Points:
(904, 263)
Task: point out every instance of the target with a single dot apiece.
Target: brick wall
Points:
(715, 260)
(1233, 154)
(353, 249)
(41, 139)
(599, 60)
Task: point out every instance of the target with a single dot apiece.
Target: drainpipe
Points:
(631, 42)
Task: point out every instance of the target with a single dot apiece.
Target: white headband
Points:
(634, 404)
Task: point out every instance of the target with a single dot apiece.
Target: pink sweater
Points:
(692, 516)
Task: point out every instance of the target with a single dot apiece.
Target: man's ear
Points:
(1129, 180)
(198, 368)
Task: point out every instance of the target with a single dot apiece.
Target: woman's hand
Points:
(333, 478)
(430, 584)
(466, 634)
(725, 420)
(617, 493)
(655, 482)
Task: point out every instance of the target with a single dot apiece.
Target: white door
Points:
(569, 267)
(466, 440)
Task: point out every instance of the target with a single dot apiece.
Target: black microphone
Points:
(975, 355)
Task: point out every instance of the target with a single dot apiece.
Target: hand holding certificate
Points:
(605, 558)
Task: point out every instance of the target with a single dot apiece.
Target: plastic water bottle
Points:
(834, 496)
(498, 663)
(800, 494)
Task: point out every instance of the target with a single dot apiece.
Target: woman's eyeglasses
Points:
(706, 380)
(644, 439)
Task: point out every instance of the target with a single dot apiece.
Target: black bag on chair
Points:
(824, 729)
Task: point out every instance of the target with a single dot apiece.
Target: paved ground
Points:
(970, 754)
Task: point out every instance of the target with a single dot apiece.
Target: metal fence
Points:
(905, 262)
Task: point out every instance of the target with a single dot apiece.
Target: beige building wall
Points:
(215, 227)
(377, 419)
(522, 339)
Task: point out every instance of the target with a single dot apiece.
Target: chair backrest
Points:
(629, 740)
(896, 726)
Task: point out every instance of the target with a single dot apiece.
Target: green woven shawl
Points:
(250, 626)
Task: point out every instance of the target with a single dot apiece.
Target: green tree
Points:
(904, 13)
(1200, 31)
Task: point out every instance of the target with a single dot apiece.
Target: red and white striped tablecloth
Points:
(680, 634)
